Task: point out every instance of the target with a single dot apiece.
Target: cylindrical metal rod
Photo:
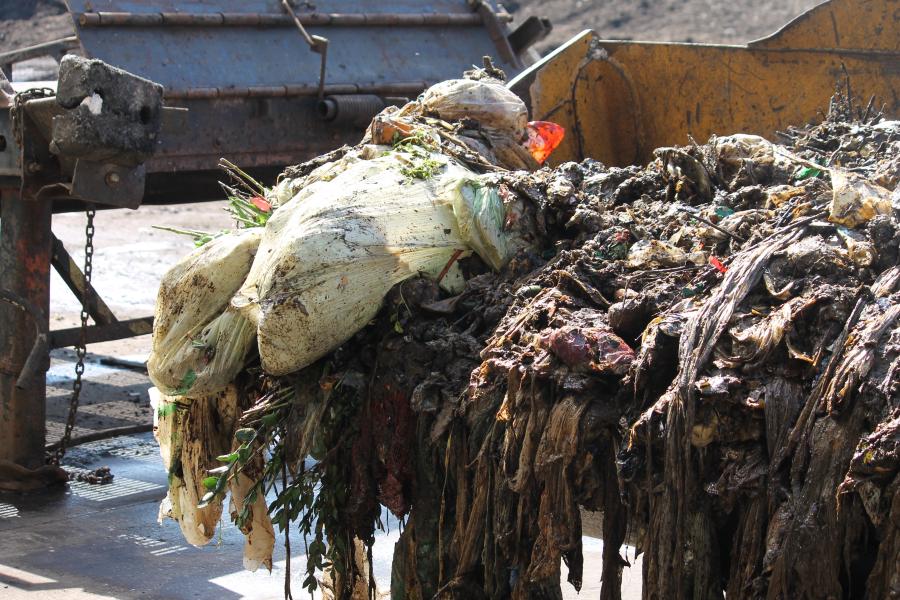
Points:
(121, 19)
(25, 268)
(406, 89)
(120, 330)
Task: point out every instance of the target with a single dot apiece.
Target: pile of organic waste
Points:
(705, 349)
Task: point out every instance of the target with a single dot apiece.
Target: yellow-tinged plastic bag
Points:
(487, 101)
(324, 263)
(856, 200)
(331, 253)
(199, 346)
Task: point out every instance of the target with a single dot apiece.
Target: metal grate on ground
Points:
(8, 511)
(119, 488)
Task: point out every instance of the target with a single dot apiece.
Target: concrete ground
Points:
(88, 542)
(98, 542)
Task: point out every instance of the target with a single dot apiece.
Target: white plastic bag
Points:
(331, 254)
(199, 345)
(489, 102)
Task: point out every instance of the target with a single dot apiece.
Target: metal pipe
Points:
(119, 330)
(104, 434)
(316, 43)
(53, 48)
(404, 89)
(25, 267)
(122, 19)
(73, 277)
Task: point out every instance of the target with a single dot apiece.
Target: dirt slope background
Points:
(26, 22)
(709, 21)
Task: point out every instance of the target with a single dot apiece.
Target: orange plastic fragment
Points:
(543, 139)
(260, 203)
(387, 130)
(718, 264)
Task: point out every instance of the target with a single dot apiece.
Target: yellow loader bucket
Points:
(620, 100)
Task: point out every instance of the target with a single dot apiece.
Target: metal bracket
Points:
(113, 116)
(316, 43)
(530, 32)
(108, 183)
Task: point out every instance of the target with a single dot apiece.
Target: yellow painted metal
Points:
(620, 100)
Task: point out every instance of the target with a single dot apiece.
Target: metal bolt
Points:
(112, 179)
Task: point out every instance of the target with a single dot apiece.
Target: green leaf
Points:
(270, 419)
(186, 382)
(228, 458)
(245, 435)
(210, 483)
(806, 172)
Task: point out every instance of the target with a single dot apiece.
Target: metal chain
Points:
(16, 112)
(81, 348)
(17, 123)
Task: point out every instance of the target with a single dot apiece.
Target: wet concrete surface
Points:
(104, 540)
(88, 542)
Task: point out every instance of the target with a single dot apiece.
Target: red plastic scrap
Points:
(543, 138)
(718, 264)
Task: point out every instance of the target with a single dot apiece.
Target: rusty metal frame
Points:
(25, 241)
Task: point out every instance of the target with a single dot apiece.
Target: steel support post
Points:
(25, 249)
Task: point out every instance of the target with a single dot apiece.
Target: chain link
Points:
(16, 113)
(81, 348)
(17, 123)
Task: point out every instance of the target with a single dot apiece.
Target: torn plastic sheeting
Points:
(857, 200)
